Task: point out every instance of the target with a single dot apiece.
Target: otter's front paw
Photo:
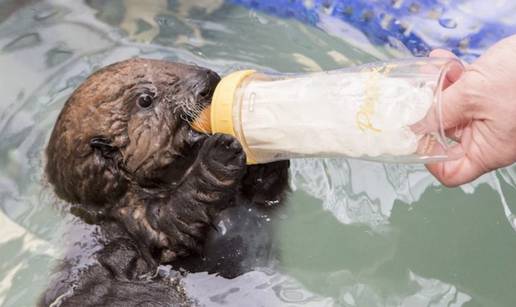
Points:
(223, 157)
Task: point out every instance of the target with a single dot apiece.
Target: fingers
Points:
(456, 172)
(442, 53)
(454, 103)
(461, 170)
(446, 115)
(453, 108)
(454, 71)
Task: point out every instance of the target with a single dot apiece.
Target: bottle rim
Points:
(446, 68)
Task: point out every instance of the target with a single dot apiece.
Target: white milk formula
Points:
(330, 114)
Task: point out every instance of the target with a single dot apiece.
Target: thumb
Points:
(452, 108)
(449, 110)
(446, 111)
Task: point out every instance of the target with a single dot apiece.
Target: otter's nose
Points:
(207, 80)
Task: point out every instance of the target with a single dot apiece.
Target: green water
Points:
(353, 233)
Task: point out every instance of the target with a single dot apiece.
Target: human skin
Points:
(479, 113)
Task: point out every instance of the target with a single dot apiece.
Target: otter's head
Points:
(127, 125)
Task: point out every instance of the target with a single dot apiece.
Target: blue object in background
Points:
(467, 27)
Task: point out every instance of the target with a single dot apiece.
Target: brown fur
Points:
(123, 154)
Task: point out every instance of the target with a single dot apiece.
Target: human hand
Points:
(479, 112)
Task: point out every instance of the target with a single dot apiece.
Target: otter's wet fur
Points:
(122, 153)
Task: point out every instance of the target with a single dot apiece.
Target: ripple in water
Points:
(50, 47)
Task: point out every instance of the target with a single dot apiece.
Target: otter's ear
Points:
(103, 146)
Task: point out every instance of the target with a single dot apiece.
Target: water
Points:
(353, 234)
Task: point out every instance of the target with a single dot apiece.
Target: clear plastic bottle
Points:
(372, 112)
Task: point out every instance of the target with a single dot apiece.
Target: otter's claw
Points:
(224, 157)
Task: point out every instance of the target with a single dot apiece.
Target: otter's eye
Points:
(145, 100)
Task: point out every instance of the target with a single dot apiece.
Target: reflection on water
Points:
(354, 233)
(355, 191)
(258, 288)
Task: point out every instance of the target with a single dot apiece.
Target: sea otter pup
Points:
(123, 154)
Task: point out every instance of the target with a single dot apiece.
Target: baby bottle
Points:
(388, 111)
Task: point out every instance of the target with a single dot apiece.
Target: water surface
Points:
(353, 233)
